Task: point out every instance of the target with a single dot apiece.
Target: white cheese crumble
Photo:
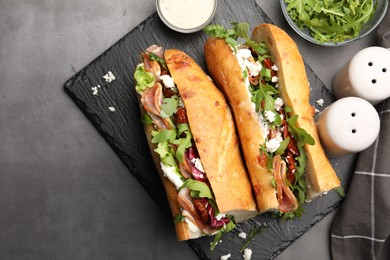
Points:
(168, 81)
(316, 110)
(278, 103)
(254, 68)
(220, 216)
(95, 90)
(245, 53)
(112, 109)
(242, 235)
(109, 77)
(320, 102)
(274, 68)
(225, 257)
(273, 144)
(274, 79)
(171, 174)
(269, 115)
(247, 254)
(198, 164)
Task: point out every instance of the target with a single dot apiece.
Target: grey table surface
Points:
(64, 193)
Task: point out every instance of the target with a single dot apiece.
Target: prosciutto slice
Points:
(286, 199)
(151, 100)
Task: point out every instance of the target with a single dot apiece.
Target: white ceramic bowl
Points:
(186, 16)
(380, 12)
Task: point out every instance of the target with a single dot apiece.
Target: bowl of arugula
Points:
(333, 23)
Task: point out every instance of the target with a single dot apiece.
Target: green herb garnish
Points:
(340, 190)
(251, 236)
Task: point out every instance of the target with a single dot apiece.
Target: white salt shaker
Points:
(366, 75)
(347, 126)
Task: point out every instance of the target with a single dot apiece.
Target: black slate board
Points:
(123, 131)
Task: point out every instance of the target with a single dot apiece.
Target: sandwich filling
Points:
(283, 150)
(180, 161)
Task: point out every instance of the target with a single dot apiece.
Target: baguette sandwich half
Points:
(192, 137)
(264, 80)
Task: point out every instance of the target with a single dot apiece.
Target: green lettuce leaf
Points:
(143, 79)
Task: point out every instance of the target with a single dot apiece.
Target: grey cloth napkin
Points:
(361, 228)
(383, 32)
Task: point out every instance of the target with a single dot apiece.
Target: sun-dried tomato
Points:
(168, 92)
(200, 206)
(181, 116)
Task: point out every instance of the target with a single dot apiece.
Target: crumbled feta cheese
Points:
(225, 257)
(245, 53)
(273, 144)
(171, 173)
(316, 110)
(168, 81)
(242, 235)
(198, 164)
(274, 68)
(320, 102)
(269, 115)
(247, 254)
(254, 68)
(109, 77)
(274, 79)
(278, 103)
(112, 109)
(94, 91)
(220, 216)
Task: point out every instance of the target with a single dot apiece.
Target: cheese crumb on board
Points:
(109, 77)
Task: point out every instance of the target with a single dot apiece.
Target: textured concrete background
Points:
(64, 194)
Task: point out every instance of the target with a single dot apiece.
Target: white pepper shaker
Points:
(366, 75)
(347, 126)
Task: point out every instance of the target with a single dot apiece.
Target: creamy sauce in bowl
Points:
(186, 15)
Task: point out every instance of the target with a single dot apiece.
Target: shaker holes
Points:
(384, 70)
(353, 131)
(353, 114)
(370, 63)
(373, 81)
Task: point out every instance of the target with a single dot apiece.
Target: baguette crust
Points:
(295, 92)
(213, 130)
(227, 74)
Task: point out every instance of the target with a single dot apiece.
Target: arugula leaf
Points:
(153, 56)
(252, 235)
(164, 135)
(227, 228)
(283, 146)
(166, 154)
(183, 143)
(179, 218)
(143, 79)
(340, 190)
(146, 119)
(169, 106)
(198, 189)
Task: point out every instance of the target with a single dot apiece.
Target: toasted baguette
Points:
(295, 92)
(214, 132)
(227, 74)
